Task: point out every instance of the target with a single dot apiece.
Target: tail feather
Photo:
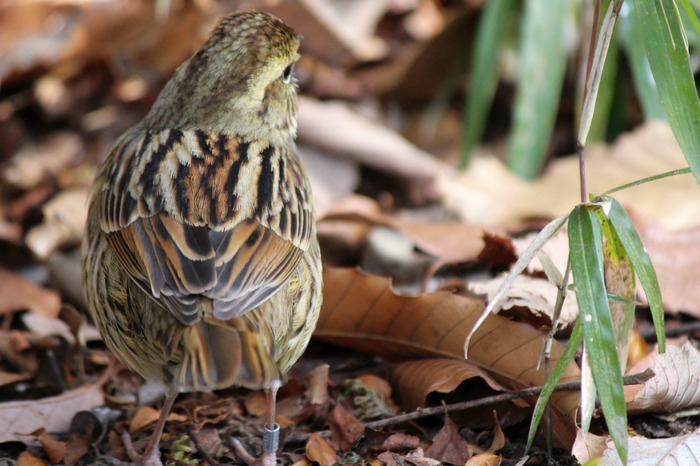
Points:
(219, 355)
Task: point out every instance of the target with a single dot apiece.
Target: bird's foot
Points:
(270, 442)
(268, 458)
(148, 458)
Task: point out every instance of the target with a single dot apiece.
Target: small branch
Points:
(633, 379)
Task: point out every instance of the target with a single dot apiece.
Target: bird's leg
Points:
(271, 434)
(151, 455)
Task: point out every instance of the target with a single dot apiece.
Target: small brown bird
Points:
(201, 264)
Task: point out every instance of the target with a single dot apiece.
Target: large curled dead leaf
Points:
(417, 379)
(362, 312)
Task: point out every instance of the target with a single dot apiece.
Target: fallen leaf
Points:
(535, 297)
(363, 140)
(484, 459)
(489, 194)
(415, 380)
(363, 313)
(317, 383)
(54, 414)
(147, 415)
(318, 450)
(675, 255)
(64, 221)
(27, 459)
(346, 429)
(54, 449)
(40, 161)
(675, 386)
(681, 450)
(448, 446)
(19, 294)
(588, 447)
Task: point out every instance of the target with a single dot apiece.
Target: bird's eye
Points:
(287, 73)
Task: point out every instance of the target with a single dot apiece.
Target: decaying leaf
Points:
(684, 449)
(416, 379)
(53, 414)
(362, 312)
(448, 446)
(364, 140)
(675, 386)
(19, 294)
(318, 450)
(489, 194)
(346, 429)
(64, 222)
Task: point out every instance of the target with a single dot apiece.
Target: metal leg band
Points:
(271, 438)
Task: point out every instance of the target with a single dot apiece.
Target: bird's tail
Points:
(221, 354)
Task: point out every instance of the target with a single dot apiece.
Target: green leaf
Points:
(484, 76)
(559, 369)
(586, 250)
(642, 265)
(602, 68)
(540, 76)
(642, 79)
(666, 49)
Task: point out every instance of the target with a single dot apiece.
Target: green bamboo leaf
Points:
(642, 265)
(600, 64)
(484, 76)
(667, 51)
(541, 73)
(557, 372)
(645, 88)
(586, 250)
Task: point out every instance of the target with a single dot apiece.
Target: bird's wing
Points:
(192, 215)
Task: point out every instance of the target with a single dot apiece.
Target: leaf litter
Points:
(77, 74)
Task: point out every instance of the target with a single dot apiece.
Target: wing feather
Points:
(184, 235)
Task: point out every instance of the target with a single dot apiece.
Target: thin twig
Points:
(633, 379)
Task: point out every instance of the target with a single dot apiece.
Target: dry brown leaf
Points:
(675, 386)
(415, 457)
(362, 312)
(54, 414)
(363, 140)
(64, 222)
(447, 241)
(27, 459)
(346, 429)
(318, 450)
(147, 415)
(588, 446)
(416, 379)
(19, 294)
(339, 32)
(675, 255)
(332, 178)
(537, 296)
(681, 450)
(53, 448)
(484, 459)
(448, 446)
(489, 194)
(317, 383)
(39, 161)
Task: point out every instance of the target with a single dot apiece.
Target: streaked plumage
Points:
(201, 263)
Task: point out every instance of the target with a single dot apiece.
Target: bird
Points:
(201, 265)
